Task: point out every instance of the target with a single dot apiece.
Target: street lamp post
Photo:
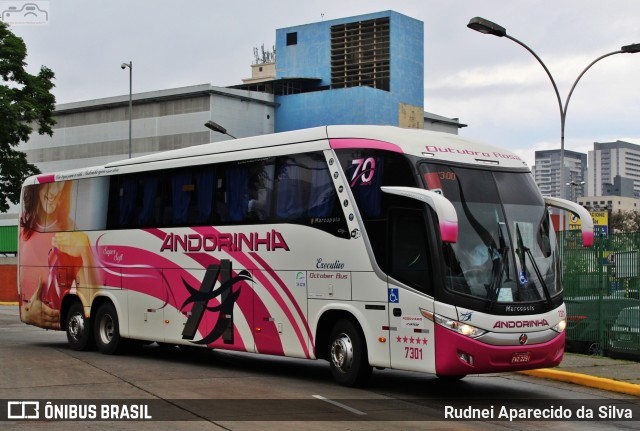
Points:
(217, 128)
(574, 186)
(487, 27)
(130, 66)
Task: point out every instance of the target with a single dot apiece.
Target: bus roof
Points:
(436, 146)
(417, 142)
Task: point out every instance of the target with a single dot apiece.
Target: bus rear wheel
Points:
(348, 355)
(78, 328)
(107, 333)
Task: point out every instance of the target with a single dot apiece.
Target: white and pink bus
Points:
(367, 246)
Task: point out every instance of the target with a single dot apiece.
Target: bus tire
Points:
(107, 332)
(348, 355)
(78, 328)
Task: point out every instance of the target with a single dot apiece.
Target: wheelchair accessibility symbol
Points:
(522, 277)
(394, 296)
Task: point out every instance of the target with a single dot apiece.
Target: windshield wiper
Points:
(524, 250)
(496, 275)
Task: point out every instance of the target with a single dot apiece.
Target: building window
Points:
(292, 38)
(360, 54)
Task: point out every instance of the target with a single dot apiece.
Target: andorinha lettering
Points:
(253, 241)
(521, 323)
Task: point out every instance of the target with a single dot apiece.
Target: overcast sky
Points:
(489, 83)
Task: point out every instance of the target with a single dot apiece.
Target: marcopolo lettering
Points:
(253, 241)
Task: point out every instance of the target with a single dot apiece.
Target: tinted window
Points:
(289, 189)
(367, 170)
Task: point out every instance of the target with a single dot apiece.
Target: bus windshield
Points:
(506, 246)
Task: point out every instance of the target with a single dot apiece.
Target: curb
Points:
(586, 380)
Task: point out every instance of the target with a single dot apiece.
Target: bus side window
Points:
(247, 191)
(323, 200)
(136, 200)
(96, 190)
(181, 188)
(192, 197)
(237, 192)
(261, 175)
(205, 178)
(123, 200)
(304, 194)
(149, 204)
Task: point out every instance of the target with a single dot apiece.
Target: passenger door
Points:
(411, 335)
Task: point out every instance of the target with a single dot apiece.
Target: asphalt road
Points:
(215, 390)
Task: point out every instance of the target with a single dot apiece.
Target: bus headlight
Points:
(459, 327)
(561, 326)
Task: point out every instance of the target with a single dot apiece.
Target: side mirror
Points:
(585, 218)
(447, 217)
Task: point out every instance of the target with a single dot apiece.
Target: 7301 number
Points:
(413, 353)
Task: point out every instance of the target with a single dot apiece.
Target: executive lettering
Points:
(320, 264)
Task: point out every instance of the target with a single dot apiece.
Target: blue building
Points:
(367, 69)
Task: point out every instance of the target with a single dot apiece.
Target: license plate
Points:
(520, 357)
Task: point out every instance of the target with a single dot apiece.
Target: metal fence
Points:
(601, 291)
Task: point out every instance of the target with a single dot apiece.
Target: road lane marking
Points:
(342, 406)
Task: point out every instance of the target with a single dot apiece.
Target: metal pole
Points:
(566, 106)
(130, 102)
(130, 66)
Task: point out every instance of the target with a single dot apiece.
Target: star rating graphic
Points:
(411, 340)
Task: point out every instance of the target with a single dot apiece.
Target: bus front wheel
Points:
(78, 328)
(348, 355)
(107, 333)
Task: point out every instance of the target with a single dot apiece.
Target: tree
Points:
(25, 102)
(624, 221)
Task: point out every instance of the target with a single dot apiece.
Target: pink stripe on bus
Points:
(284, 287)
(42, 179)
(364, 143)
(244, 260)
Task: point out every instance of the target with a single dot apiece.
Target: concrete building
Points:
(609, 160)
(620, 187)
(610, 203)
(547, 173)
(96, 132)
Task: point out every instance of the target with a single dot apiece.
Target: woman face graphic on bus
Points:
(53, 255)
(49, 199)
